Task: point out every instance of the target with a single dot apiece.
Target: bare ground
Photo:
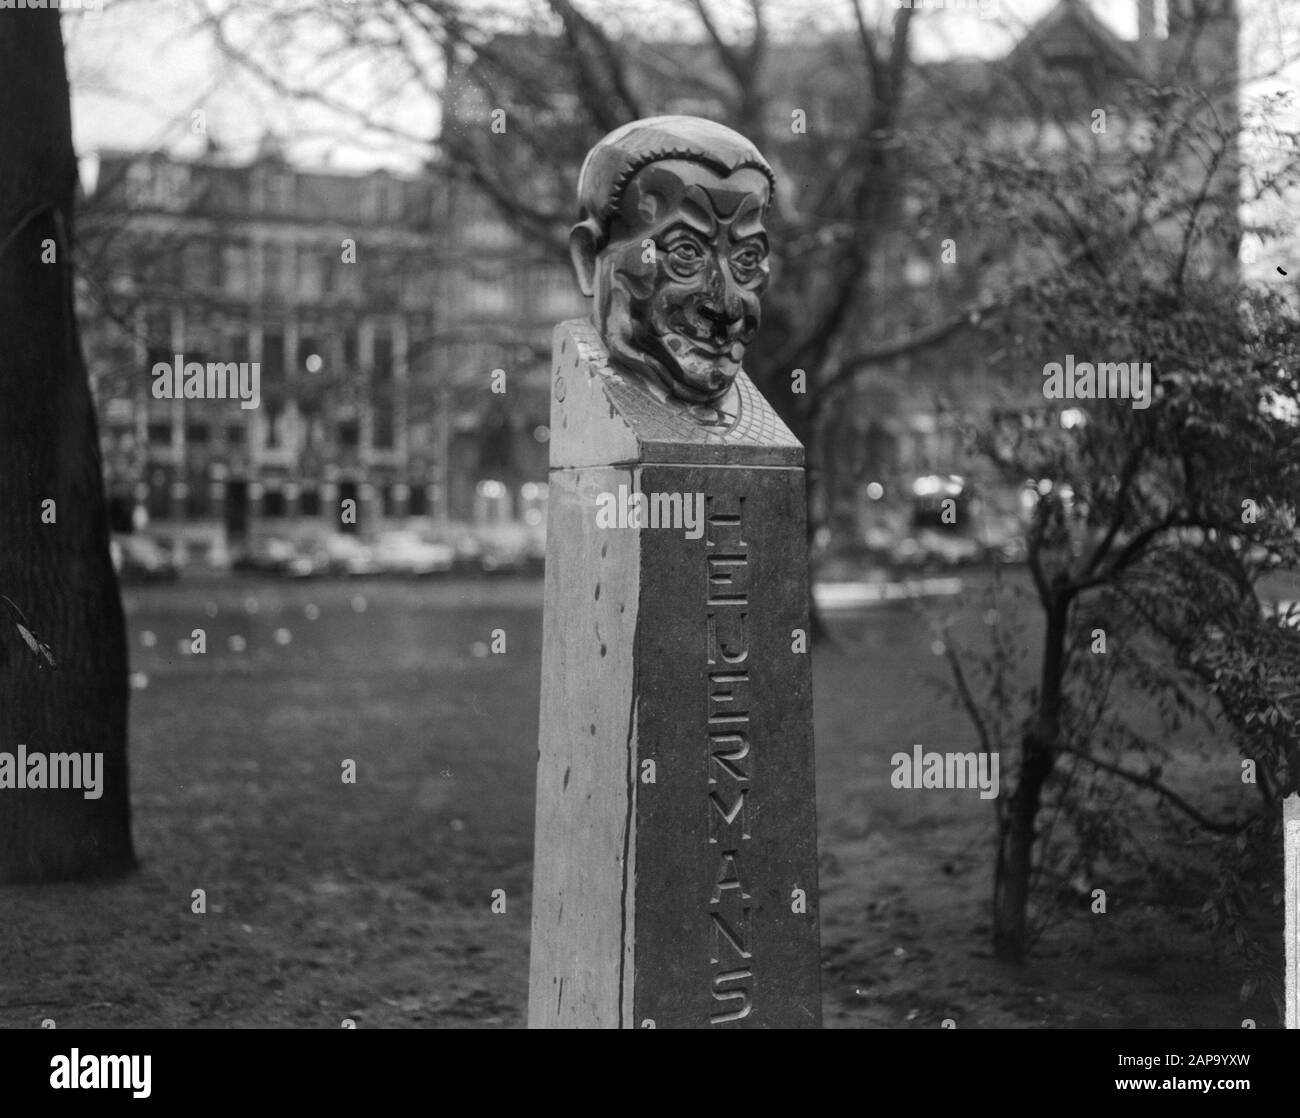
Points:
(372, 902)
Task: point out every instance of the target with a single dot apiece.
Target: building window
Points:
(235, 346)
(273, 356)
(235, 435)
(198, 501)
(159, 505)
(197, 433)
(370, 200)
(158, 355)
(349, 433)
(417, 501)
(309, 502)
(310, 425)
(234, 265)
(160, 434)
(346, 278)
(277, 269)
(274, 417)
(279, 193)
(157, 186)
(382, 428)
(273, 504)
(382, 357)
(311, 275)
(197, 264)
(121, 439)
(227, 192)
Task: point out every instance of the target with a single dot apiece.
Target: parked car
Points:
(337, 554)
(403, 552)
(500, 557)
(535, 561)
(878, 542)
(930, 548)
(276, 556)
(467, 550)
(511, 549)
(140, 559)
(1004, 538)
(940, 525)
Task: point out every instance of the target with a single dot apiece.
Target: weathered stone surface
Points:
(1291, 867)
(675, 879)
(612, 417)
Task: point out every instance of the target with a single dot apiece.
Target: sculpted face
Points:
(681, 264)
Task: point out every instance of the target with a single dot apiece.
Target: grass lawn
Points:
(372, 900)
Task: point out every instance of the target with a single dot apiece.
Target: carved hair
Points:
(645, 159)
(612, 164)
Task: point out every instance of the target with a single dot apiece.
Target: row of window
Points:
(472, 287)
(313, 353)
(176, 187)
(347, 433)
(309, 272)
(203, 500)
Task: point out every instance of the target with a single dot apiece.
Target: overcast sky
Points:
(142, 68)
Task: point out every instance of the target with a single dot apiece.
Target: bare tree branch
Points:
(1161, 790)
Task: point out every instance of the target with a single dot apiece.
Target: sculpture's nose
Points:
(720, 306)
(716, 315)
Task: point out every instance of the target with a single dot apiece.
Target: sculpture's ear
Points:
(583, 241)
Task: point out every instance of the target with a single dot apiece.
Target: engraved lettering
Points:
(728, 580)
(728, 877)
(724, 750)
(727, 573)
(738, 993)
(728, 698)
(724, 518)
(727, 642)
(724, 931)
(728, 815)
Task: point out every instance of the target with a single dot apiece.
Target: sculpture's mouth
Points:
(701, 357)
(679, 341)
(734, 351)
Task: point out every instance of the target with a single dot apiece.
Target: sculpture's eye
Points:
(685, 257)
(746, 263)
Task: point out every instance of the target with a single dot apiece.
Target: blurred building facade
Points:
(412, 376)
(374, 306)
(903, 420)
(900, 421)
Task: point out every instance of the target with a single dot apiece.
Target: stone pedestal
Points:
(675, 875)
(1291, 899)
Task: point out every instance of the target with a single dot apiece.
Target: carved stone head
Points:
(671, 245)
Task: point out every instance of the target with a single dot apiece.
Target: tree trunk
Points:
(54, 556)
(1015, 860)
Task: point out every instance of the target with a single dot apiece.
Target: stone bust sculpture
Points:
(671, 247)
